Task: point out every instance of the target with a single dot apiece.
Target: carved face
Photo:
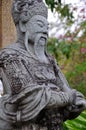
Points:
(37, 29)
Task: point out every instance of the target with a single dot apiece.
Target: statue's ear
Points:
(22, 26)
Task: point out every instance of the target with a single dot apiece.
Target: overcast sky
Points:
(53, 18)
(71, 1)
(50, 15)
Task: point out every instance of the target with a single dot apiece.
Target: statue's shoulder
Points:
(5, 53)
(52, 59)
(15, 53)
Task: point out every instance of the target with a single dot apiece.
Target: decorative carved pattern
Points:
(28, 9)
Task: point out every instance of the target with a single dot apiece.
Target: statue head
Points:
(24, 10)
(31, 18)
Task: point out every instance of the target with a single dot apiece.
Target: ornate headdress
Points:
(26, 9)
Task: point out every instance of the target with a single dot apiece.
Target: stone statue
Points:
(36, 94)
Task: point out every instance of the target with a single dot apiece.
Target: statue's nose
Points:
(45, 30)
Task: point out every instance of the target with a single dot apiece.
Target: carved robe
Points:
(28, 83)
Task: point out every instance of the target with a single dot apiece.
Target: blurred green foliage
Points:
(53, 4)
(62, 9)
(77, 124)
(57, 48)
(77, 77)
(71, 56)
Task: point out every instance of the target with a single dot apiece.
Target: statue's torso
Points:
(21, 70)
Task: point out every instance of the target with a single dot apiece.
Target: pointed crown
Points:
(25, 9)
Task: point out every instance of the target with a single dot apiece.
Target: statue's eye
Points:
(48, 26)
(40, 23)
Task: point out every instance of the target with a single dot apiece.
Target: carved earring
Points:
(26, 40)
(27, 36)
(22, 26)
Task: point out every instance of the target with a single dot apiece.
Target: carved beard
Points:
(38, 48)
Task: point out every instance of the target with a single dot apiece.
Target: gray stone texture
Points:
(36, 94)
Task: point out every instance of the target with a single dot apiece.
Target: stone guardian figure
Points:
(36, 94)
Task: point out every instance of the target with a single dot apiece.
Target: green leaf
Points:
(78, 124)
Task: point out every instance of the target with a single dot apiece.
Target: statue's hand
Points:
(5, 111)
(79, 102)
(72, 96)
(78, 94)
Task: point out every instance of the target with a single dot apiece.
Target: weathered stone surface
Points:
(36, 94)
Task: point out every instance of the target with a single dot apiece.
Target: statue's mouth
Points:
(42, 41)
(43, 38)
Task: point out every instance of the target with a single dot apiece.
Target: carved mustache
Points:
(39, 37)
(44, 37)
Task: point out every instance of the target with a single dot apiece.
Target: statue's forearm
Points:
(59, 99)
